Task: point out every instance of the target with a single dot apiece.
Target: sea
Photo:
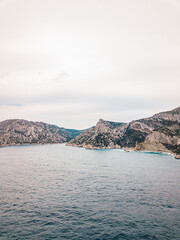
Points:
(62, 192)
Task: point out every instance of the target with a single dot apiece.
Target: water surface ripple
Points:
(58, 192)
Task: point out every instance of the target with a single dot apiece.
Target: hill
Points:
(19, 131)
(159, 133)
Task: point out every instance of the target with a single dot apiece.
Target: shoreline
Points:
(176, 156)
(26, 145)
(127, 150)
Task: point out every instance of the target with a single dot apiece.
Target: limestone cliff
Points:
(160, 132)
(18, 132)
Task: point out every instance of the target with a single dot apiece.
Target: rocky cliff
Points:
(160, 132)
(18, 132)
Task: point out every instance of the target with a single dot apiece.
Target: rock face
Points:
(160, 132)
(18, 132)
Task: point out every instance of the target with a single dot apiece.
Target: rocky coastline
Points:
(22, 132)
(176, 156)
(159, 133)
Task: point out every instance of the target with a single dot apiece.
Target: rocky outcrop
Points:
(173, 115)
(159, 133)
(18, 132)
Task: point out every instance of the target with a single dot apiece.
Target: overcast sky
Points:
(71, 62)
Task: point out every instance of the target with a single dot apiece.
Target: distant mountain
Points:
(19, 131)
(160, 132)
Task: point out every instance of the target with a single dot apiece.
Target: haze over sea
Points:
(61, 192)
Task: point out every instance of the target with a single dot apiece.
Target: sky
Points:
(72, 62)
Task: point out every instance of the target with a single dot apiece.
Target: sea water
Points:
(61, 192)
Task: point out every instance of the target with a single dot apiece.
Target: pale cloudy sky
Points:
(71, 62)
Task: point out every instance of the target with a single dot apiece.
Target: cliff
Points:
(19, 131)
(159, 133)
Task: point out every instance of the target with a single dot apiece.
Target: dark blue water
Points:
(59, 192)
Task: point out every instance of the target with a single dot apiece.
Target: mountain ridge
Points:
(160, 133)
(20, 132)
